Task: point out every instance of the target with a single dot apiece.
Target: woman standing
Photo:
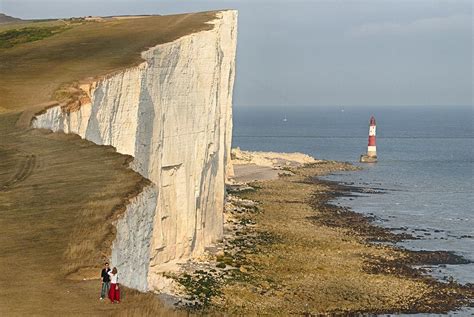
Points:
(114, 292)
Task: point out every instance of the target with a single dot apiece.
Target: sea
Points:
(422, 183)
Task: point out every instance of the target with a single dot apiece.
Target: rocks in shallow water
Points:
(424, 257)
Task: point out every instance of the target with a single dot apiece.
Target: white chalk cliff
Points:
(173, 114)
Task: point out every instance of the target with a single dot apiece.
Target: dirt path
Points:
(25, 167)
(46, 182)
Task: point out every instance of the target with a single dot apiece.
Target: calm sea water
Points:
(424, 177)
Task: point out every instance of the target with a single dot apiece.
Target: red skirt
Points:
(114, 292)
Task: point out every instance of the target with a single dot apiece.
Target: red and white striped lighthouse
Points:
(371, 156)
(372, 148)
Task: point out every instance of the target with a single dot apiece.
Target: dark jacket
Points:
(105, 275)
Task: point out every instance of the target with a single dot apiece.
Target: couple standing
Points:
(110, 284)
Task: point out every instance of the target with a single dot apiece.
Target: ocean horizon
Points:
(422, 183)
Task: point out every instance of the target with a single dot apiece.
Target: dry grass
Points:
(58, 197)
(83, 254)
(56, 194)
(59, 194)
(25, 23)
(31, 72)
(16, 37)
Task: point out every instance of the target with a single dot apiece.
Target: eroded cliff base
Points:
(58, 197)
(288, 251)
(66, 202)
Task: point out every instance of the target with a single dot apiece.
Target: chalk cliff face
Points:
(131, 248)
(173, 114)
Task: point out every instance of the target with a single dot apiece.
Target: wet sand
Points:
(250, 172)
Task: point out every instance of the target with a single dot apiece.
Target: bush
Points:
(14, 37)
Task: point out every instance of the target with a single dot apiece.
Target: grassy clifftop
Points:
(13, 37)
(58, 193)
(31, 71)
(8, 19)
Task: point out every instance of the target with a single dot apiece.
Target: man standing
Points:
(105, 278)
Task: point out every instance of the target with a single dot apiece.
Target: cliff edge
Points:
(173, 114)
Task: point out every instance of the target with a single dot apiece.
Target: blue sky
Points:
(312, 53)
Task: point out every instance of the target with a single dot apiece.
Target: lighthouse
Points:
(371, 156)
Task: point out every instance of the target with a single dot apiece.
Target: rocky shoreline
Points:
(288, 250)
(444, 297)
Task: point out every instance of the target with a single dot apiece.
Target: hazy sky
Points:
(331, 52)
